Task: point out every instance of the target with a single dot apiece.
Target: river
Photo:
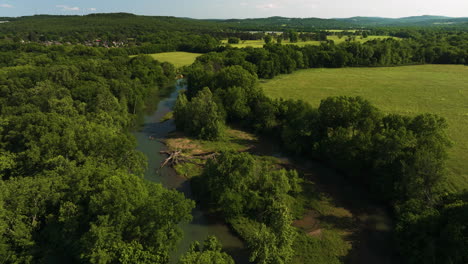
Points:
(202, 225)
(371, 221)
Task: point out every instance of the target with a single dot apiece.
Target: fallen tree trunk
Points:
(176, 157)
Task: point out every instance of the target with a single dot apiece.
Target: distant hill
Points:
(276, 23)
(280, 23)
(107, 22)
(132, 25)
(404, 21)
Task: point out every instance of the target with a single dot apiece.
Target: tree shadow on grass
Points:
(371, 246)
(344, 222)
(349, 207)
(248, 143)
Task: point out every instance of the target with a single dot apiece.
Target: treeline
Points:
(150, 44)
(122, 26)
(400, 159)
(156, 43)
(275, 59)
(71, 181)
(294, 36)
(110, 27)
(138, 34)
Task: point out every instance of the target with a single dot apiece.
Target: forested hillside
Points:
(117, 25)
(416, 21)
(150, 34)
(311, 24)
(124, 26)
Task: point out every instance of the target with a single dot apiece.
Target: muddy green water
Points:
(202, 225)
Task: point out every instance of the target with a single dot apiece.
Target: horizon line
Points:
(331, 18)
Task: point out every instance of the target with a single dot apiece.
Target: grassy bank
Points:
(440, 89)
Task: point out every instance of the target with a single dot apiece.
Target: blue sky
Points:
(240, 8)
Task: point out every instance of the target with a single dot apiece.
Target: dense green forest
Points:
(152, 34)
(71, 187)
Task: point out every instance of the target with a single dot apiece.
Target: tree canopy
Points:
(71, 187)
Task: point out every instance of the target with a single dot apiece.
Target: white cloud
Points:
(68, 8)
(268, 6)
(288, 4)
(244, 4)
(75, 8)
(6, 6)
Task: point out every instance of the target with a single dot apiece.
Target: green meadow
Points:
(179, 59)
(409, 90)
(336, 39)
(261, 42)
(341, 30)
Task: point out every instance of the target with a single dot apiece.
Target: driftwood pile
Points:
(176, 157)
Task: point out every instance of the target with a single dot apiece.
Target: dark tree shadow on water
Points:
(240, 255)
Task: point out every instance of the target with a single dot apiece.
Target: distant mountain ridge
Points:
(352, 22)
(425, 20)
(123, 22)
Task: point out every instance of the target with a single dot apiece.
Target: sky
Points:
(240, 8)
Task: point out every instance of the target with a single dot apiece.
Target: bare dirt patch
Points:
(177, 141)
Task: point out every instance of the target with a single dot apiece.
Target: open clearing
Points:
(336, 39)
(409, 90)
(179, 59)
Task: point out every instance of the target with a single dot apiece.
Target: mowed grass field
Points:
(336, 39)
(179, 59)
(409, 90)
